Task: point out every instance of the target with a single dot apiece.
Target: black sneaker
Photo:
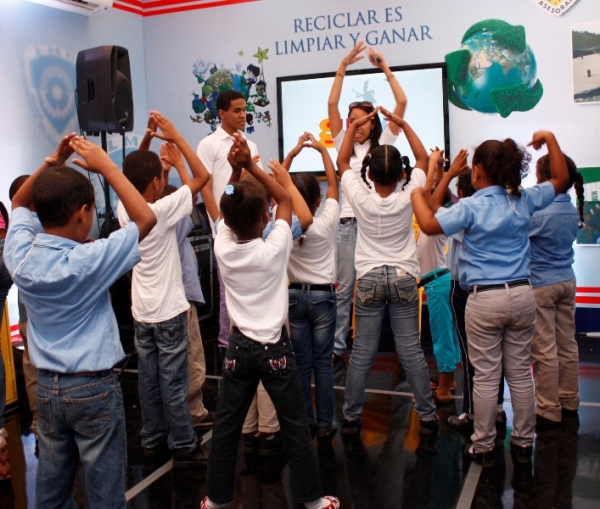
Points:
(351, 428)
(204, 424)
(462, 423)
(542, 424)
(569, 414)
(485, 459)
(326, 433)
(158, 451)
(430, 427)
(194, 459)
(522, 467)
(270, 444)
(250, 443)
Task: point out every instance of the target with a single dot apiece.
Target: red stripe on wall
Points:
(587, 300)
(127, 8)
(171, 6)
(588, 289)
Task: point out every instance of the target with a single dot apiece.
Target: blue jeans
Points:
(441, 323)
(163, 383)
(346, 277)
(388, 287)
(245, 363)
(81, 416)
(312, 326)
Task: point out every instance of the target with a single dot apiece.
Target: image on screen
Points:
(302, 103)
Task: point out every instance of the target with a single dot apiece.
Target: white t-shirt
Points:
(360, 151)
(314, 261)
(255, 277)
(385, 231)
(430, 250)
(157, 292)
(213, 151)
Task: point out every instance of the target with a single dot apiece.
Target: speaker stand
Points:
(109, 224)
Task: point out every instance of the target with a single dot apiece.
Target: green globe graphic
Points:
(494, 71)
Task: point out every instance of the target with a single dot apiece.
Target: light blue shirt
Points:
(37, 228)
(189, 262)
(295, 227)
(64, 285)
(496, 226)
(552, 232)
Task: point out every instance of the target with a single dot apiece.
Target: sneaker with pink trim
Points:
(332, 502)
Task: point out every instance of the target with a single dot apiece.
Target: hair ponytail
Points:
(407, 170)
(578, 184)
(363, 170)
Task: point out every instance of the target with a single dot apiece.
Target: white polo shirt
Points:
(213, 151)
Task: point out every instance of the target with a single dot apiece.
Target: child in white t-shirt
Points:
(254, 272)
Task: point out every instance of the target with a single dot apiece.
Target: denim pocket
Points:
(407, 292)
(278, 357)
(45, 424)
(365, 292)
(89, 416)
(173, 330)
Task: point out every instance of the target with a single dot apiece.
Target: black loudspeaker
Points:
(104, 96)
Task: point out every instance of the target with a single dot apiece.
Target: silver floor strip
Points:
(469, 487)
(138, 488)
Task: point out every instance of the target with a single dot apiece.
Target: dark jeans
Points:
(312, 328)
(245, 363)
(458, 301)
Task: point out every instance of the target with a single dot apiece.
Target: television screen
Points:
(302, 103)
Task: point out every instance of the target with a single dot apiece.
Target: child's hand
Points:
(540, 138)
(459, 164)
(62, 152)
(312, 142)
(437, 156)
(363, 120)
(300, 145)
(232, 159)
(240, 152)
(399, 121)
(376, 58)
(168, 130)
(256, 158)
(170, 155)
(280, 173)
(95, 159)
(152, 125)
(353, 57)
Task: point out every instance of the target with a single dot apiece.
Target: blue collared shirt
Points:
(64, 285)
(295, 227)
(552, 232)
(189, 262)
(496, 226)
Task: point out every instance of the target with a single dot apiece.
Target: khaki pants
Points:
(197, 366)
(261, 415)
(554, 350)
(30, 373)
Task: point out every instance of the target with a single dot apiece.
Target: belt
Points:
(432, 277)
(308, 288)
(346, 220)
(509, 284)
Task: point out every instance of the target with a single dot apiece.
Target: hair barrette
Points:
(229, 189)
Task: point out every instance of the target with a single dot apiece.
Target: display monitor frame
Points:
(354, 76)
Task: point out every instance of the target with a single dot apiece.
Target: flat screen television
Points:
(302, 106)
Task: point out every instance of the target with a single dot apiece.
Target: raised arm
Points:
(284, 202)
(458, 166)
(333, 190)
(345, 153)
(302, 140)
(376, 58)
(425, 216)
(200, 176)
(23, 197)
(98, 161)
(418, 150)
(333, 109)
(147, 139)
(558, 167)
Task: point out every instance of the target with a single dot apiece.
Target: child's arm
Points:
(98, 161)
(333, 190)
(299, 205)
(287, 162)
(425, 217)
(345, 153)
(147, 139)
(458, 166)
(376, 58)
(279, 194)
(171, 156)
(416, 146)
(169, 133)
(558, 167)
(333, 110)
(23, 197)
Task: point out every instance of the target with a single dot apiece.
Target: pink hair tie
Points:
(2, 223)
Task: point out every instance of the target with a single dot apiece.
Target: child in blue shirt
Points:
(500, 313)
(73, 335)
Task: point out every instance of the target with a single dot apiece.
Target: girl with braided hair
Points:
(386, 267)
(552, 232)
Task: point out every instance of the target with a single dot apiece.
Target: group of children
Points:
(73, 336)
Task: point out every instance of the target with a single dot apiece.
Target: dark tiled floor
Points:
(388, 468)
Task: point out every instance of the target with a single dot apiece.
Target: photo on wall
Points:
(585, 39)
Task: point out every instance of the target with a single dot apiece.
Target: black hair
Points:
(244, 207)
(140, 167)
(385, 163)
(168, 189)
(58, 193)
(464, 184)
(309, 188)
(407, 170)
(575, 179)
(504, 162)
(224, 99)
(376, 129)
(4, 213)
(16, 185)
